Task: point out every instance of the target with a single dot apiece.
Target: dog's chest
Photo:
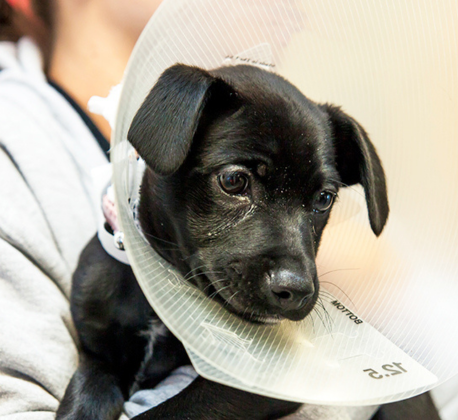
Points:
(162, 354)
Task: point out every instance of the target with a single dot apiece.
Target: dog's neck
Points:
(156, 223)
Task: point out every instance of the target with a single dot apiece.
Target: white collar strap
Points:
(110, 236)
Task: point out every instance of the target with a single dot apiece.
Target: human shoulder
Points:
(46, 157)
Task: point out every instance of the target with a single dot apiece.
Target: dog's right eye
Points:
(233, 182)
(323, 202)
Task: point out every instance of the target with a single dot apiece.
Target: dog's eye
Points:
(233, 182)
(323, 202)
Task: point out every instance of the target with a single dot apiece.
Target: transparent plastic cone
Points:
(388, 326)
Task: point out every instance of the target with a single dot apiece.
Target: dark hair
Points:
(14, 24)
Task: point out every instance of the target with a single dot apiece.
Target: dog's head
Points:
(242, 174)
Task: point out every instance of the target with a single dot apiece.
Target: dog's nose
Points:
(289, 290)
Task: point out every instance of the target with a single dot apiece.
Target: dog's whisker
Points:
(315, 309)
(328, 317)
(347, 186)
(338, 269)
(168, 249)
(160, 239)
(228, 300)
(194, 269)
(326, 313)
(335, 285)
(310, 316)
(218, 291)
(212, 283)
(327, 295)
(338, 182)
(324, 293)
(203, 273)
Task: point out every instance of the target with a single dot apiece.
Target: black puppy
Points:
(242, 174)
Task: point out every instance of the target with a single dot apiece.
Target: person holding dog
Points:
(56, 55)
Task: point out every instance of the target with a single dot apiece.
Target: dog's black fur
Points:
(242, 171)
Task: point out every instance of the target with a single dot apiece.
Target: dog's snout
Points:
(290, 290)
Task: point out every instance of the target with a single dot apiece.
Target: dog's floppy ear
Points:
(358, 163)
(166, 123)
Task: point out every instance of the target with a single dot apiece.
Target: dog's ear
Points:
(163, 129)
(358, 163)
